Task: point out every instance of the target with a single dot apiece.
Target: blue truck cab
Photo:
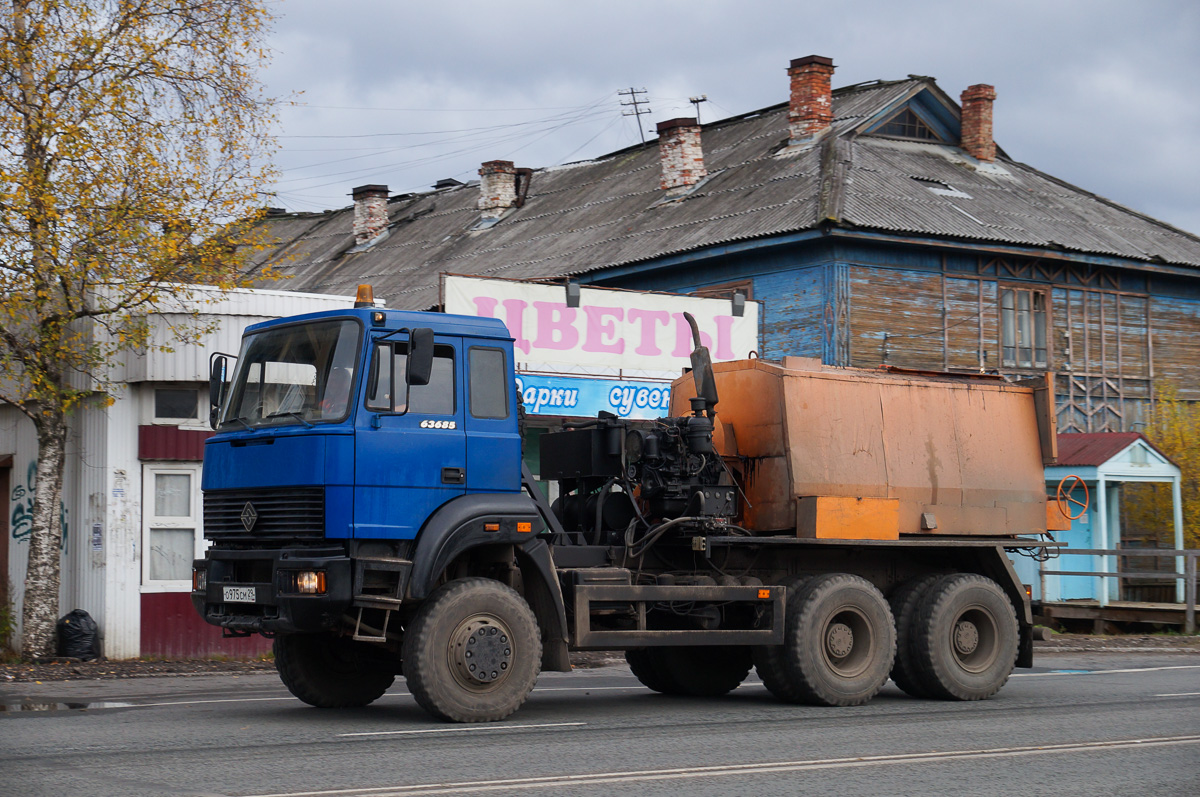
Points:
(328, 464)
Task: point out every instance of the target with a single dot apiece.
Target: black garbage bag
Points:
(78, 636)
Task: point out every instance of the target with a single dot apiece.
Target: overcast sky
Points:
(1100, 93)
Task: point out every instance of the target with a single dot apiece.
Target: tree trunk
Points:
(40, 609)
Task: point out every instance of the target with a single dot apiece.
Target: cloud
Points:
(1096, 92)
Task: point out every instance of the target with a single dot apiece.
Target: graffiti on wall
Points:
(21, 520)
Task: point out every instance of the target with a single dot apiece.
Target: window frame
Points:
(504, 387)
(152, 522)
(372, 377)
(894, 119)
(1019, 328)
(726, 290)
(178, 420)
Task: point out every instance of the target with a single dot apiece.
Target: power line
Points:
(433, 158)
(636, 104)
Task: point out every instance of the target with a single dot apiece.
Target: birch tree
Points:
(131, 133)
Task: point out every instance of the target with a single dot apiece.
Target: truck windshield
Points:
(300, 373)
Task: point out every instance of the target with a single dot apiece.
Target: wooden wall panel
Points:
(1135, 338)
(991, 326)
(792, 312)
(964, 315)
(1176, 330)
(906, 306)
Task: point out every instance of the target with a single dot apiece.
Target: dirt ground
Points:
(71, 670)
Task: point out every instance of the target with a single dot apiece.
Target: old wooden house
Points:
(877, 223)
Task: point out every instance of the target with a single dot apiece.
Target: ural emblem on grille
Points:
(249, 516)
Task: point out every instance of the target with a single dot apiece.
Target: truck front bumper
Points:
(254, 591)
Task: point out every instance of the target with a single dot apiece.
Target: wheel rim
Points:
(974, 639)
(481, 652)
(847, 643)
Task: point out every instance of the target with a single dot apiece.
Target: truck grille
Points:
(296, 512)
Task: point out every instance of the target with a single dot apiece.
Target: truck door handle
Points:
(454, 475)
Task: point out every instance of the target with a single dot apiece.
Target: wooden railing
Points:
(1185, 566)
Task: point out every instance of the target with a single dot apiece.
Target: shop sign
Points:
(610, 329)
(585, 398)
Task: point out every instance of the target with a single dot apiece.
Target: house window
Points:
(175, 404)
(907, 124)
(1023, 328)
(170, 526)
(726, 290)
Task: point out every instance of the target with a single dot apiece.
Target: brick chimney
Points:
(977, 122)
(680, 153)
(370, 212)
(810, 110)
(497, 188)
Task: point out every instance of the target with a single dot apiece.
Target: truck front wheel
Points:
(473, 651)
(965, 638)
(329, 671)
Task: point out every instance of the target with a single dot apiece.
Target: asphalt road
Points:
(1079, 724)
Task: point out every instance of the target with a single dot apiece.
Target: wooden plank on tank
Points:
(836, 517)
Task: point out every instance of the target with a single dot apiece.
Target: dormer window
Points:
(907, 124)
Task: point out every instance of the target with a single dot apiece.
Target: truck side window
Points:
(489, 385)
(436, 398)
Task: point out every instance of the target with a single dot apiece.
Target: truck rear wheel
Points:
(695, 671)
(965, 638)
(473, 651)
(839, 643)
(647, 668)
(904, 601)
(329, 671)
(771, 660)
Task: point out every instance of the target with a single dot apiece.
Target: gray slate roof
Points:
(609, 211)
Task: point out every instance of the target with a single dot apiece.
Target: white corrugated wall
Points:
(123, 530)
(234, 311)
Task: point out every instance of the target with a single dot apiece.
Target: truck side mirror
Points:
(217, 367)
(420, 356)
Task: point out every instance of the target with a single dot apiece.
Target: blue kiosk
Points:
(1104, 462)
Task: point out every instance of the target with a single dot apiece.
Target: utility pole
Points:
(636, 104)
(696, 101)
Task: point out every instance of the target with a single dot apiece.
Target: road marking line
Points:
(633, 776)
(462, 729)
(1180, 694)
(748, 684)
(1104, 672)
(214, 700)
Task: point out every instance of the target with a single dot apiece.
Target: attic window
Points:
(907, 124)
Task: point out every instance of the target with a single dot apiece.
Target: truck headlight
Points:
(199, 580)
(310, 582)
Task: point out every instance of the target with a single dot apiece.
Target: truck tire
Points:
(327, 671)
(904, 601)
(965, 638)
(839, 642)
(647, 668)
(704, 671)
(473, 651)
(770, 661)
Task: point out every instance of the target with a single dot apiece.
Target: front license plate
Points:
(238, 594)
